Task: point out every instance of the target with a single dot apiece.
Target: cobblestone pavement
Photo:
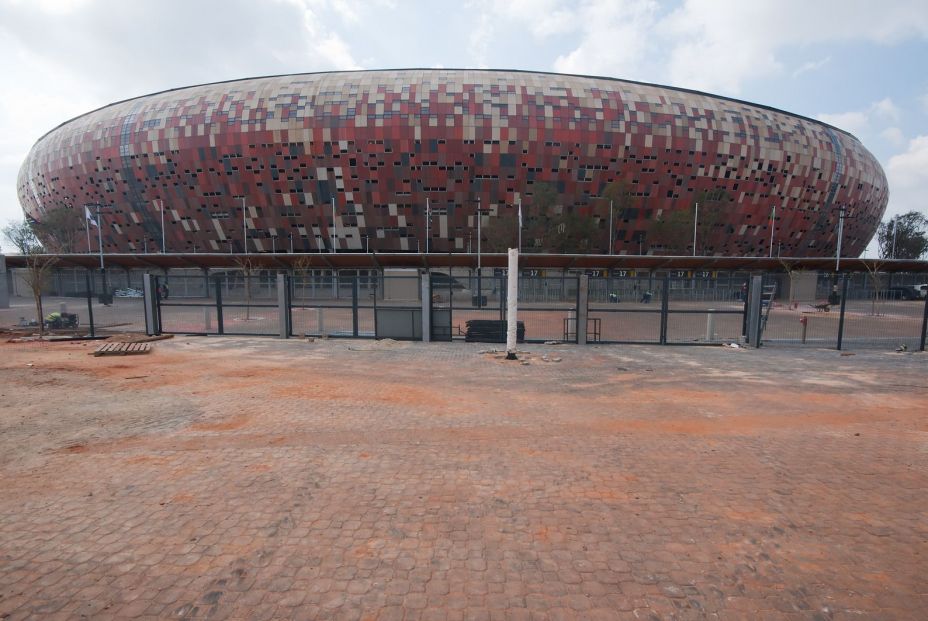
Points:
(261, 479)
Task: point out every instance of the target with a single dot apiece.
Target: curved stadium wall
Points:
(384, 143)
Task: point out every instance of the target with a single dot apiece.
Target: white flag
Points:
(89, 216)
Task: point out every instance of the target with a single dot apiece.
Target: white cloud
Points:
(853, 122)
(615, 36)
(886, 110)
(907, 173)
(812, 65)
(860, 122)
(720, 44)
(894, 136)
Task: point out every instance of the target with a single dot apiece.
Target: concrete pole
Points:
(512, 304)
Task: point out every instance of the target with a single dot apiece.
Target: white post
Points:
(428, 218)
(479, 220)
(245, 225)
(695, 220)
(163, 245)
(512, 304)
(773, 222)
(611, 229)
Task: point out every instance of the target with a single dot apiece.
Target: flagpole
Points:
(87, 226)
(773, 221)
(520, 224)
(100, 239)
(428, 219)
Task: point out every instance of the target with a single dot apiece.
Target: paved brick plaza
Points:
(258, 479)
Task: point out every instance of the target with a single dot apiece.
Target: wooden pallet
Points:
(122, 349)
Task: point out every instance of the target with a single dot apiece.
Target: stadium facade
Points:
(349, 161)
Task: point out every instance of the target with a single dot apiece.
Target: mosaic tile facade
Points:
(383, 142)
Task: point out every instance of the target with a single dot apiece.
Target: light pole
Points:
(895, 225)
(161, 209)
(695, 220)
(520, 225)
(245, 224)
(428, 221)
(332, 232)
(291, 241)
(273, 244)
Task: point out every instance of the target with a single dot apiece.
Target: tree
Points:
(911, 236)
(23, 238)
(60, 228)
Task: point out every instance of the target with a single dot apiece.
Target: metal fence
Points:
(77, 302)
(238, 303)
(847, 311)
(851, 312)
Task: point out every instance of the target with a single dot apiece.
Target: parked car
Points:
(907, 292)
(442, 280)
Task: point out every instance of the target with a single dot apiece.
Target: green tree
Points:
(911, 236)
(22, 237)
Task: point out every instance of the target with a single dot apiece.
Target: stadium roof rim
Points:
(450, 69)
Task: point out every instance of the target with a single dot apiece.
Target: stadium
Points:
(403, 161)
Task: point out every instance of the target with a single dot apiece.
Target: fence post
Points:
(4, 290)
(426, 287)
(665, 307)
(354, 307)
(755, 308)
(844, 281)
(921, 346)
(150, 301)
(220, 327)
(87, 276)
(283, 306)
(583, 298)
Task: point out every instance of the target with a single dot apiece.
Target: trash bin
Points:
(105, 299)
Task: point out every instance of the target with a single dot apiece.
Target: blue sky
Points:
(860, 65)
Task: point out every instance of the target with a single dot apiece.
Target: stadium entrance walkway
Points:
(245, 478)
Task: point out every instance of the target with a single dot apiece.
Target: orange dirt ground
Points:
(257, 479)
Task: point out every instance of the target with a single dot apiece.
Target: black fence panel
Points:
(627, 307)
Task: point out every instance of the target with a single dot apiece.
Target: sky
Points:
(857, 64)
